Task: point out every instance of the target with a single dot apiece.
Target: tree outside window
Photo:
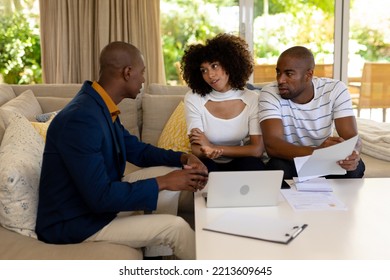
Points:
(20, 54)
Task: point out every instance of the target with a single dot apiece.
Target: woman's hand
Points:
(197, 137)
(211, 152)
(207, 149)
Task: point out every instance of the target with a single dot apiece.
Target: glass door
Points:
(278, 25)
(369, 58)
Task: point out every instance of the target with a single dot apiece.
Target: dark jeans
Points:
(237, 164)
(290, 171)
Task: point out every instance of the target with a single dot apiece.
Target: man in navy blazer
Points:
(81, 188)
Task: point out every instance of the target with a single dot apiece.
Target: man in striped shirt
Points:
(299, 113)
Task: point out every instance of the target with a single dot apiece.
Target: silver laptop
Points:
(243, 188)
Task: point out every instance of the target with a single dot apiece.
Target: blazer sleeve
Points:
(146, 155)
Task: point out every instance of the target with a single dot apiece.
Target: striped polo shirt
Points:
(311, 123)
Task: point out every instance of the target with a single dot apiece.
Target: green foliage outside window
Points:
(182, 23)
(310, 23)
(307, 25)
(372, 44)
(20, 54)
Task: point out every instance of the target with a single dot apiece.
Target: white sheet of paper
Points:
(324, 161)
(313, 185)
(312, 201)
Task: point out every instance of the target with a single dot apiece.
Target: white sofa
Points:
(145, 117)
(19, 242)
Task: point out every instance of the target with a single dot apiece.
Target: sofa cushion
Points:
(14, 246)
(2, 130)
(129, 115)
(25, 104)
(6, 93)
(58, 90)
(20, 164)
(52, 104)
(156, 110)
(158, 89)
(174, 135)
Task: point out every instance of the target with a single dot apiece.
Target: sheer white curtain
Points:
(73, 32)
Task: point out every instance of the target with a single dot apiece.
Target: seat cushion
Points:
(14, 246)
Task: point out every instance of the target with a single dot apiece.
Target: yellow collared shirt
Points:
(112, 107)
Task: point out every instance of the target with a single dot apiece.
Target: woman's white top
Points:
(224, 132)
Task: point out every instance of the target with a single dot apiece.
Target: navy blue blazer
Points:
(84, 159)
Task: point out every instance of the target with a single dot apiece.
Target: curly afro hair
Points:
(229, 50)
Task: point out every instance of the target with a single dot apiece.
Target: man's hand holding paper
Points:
(326, 161)
(351, 161)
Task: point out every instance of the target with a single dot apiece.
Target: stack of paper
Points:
(313, 185)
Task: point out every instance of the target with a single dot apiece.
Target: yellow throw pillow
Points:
(42, 127)
(174, 135)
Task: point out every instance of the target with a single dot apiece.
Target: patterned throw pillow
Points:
(46, 116)
(174, 135)
(20, 165)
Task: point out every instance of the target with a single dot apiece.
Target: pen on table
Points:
(299, 230)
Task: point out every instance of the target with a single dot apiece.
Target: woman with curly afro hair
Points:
(222, 116)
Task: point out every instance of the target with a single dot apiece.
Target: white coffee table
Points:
(361, 232)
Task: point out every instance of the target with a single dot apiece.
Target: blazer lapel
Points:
(120, 140)
(116, 134)
(117, 139)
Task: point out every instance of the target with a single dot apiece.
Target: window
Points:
(268, 27)
(343, 35)
(187, 22)
(277, 27)
(20, 54)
